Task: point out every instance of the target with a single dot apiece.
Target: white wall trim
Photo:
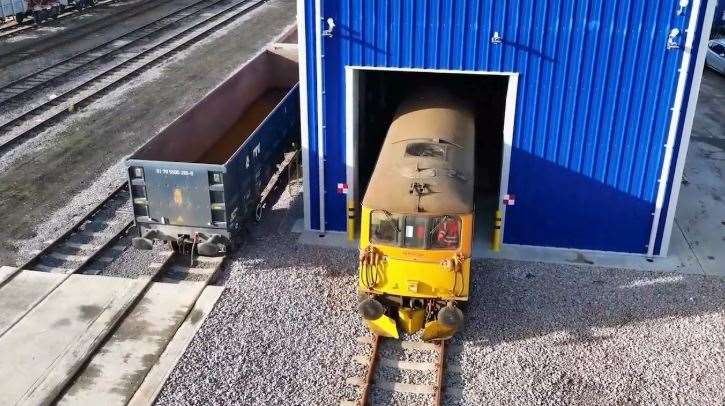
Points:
(687, 128)
(351, 125)
(508, 140)
(352, 78)
(304, 122)
(454, 71)
(320, 113)
(674, 124)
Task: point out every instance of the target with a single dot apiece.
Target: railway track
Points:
(65, 68)
(62, 326)
(105, 77)
(425, 378)
(71, 33)
(130, 333)
(92, 238)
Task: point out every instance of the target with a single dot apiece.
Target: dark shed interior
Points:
(380, 93)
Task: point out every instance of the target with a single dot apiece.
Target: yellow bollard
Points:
(496, 243)
(350, 220)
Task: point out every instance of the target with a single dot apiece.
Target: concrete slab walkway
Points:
(115, 372)
(42, 352)
(698, 237)
(21, 293)
(155, 379)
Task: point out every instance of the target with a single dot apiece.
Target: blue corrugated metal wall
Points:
(311, 112)
(595, 91)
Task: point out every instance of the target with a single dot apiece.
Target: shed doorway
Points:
(372, 98)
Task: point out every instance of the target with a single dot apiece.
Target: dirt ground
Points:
(73, 154)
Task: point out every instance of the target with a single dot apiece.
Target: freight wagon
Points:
(39, 10)
(200, 178)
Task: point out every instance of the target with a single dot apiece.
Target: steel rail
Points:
(440, 365)
(248, 6)
(44, 76)
(368, 382)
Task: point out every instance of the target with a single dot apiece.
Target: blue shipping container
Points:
(602, 101)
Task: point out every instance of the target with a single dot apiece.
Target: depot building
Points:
(583, 109)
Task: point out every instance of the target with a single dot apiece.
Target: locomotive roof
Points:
(429, 144)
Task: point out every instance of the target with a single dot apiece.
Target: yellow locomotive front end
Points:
(417, 221)
(417, 268)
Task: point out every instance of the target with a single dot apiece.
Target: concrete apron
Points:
(676, 262)
(151, 387)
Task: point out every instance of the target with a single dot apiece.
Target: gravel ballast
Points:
(284, 333)
(551, 334)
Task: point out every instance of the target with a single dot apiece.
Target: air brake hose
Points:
(455, 265)
(370, 260)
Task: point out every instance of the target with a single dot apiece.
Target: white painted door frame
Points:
(352, 78)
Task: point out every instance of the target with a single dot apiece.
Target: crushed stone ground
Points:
(284, 332)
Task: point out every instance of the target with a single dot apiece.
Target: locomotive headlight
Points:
(137, 172)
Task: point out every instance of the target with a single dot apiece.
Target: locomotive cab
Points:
(417, 220)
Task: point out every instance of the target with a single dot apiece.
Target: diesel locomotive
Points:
(417, 220)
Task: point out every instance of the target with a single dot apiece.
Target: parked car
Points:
(716, 55)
